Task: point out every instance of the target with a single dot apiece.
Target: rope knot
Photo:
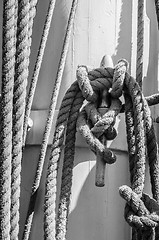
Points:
(118, 78)
(140, 213)
(97, 118)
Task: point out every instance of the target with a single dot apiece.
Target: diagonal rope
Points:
(38, 63)
(49, 121)
(8, 65)
(20, 83)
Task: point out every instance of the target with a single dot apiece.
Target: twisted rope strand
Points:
(129, 118)
(21, 74)
(38, 63)
(51, 179)
(140, 43)
(157, 10)
(152, 149)
(8, 65)
(139, 175)
(152, 158)
(68, 163)
(56, 149)
(50, 114)
(32, 14)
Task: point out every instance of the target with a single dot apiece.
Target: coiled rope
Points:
(143, 138)
(18, 17)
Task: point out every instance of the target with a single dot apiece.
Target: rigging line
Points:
(157, 10)
(49, 120)
(32, 14)
(37, 67)
(20, 83)
(8, 66)
(140, 42)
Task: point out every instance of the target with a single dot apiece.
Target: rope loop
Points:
(118, 78)
(140, 213)
(91, 123)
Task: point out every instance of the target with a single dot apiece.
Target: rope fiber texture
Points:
(140, 42)
(92, 125)
(53, 102)
(30, 213)
(39, 59)
(20, 83)
(8, 66)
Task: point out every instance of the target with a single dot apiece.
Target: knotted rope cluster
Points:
(90, 116)
(92, 125)
(141, 213)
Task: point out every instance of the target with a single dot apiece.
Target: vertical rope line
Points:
(38, 65)
(67, 172)
(157, 10)
(50, 114)
(129, 118)
(8, 63)
(51, 179)
(32, 13)
(20, 82)
(140, 42)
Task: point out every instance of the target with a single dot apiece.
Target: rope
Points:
(38, 63)
(68, 163)
(51, 179)
(92, 125)
(50, 196)
(21, 74)
(30, 213)
(138, 178)
(129, 119)
(8, 62)
(140, 42)
(49, 121)
(32, 14)
(157, 11)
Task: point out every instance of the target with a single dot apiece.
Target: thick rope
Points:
(129, 119)
(49, 120)
(138, 115)
(151, 145)
(8, 66)
(51, 180)
(134, 92)
(68, 163)
(38, 63)
(20, 83)
(140, 42)
(32, 14)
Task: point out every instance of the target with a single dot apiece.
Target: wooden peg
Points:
(103, 108)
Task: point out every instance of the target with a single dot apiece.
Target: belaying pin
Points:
(102, 109)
